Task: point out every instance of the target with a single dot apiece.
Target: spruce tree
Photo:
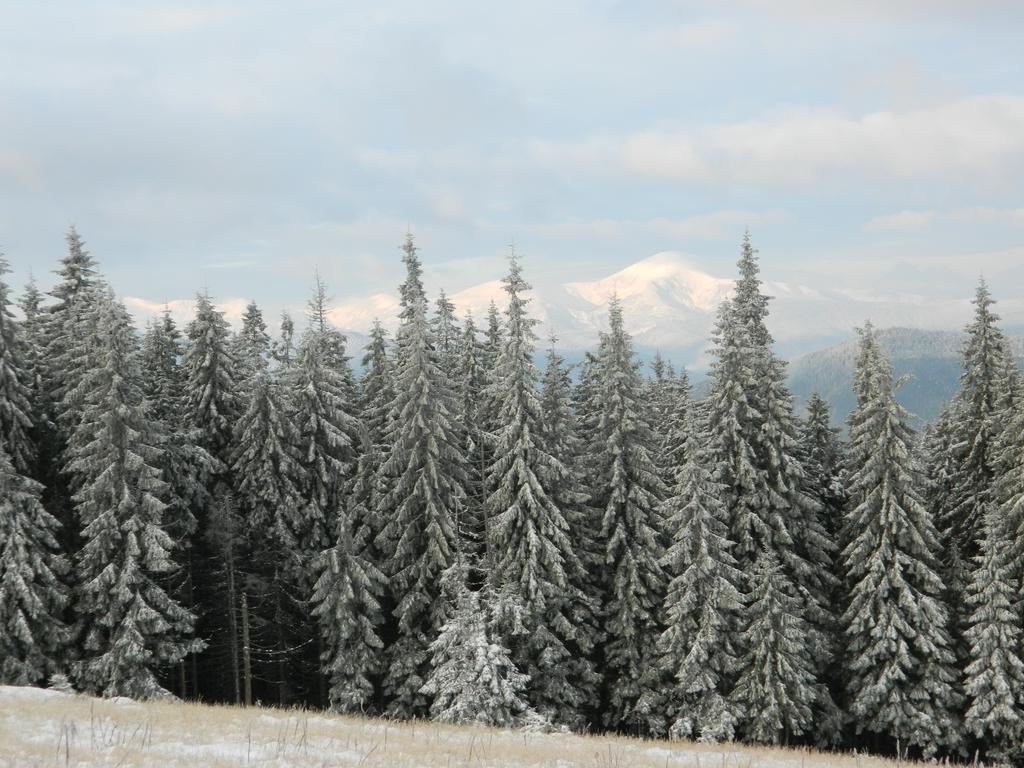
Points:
(33, 333)
(251, 344)
(422, 495)
(211, 379)
(33, 637)
(209, 411)
(776, 688)
(994, 676)
(756, 451)
(974, 422)
(375, 395)
(283, 350)
(902, 680)
(530, 536)
(628, 496)
(473, 679)
(697, 652)
(447, 334)
(186, 466)
(321, 409)
(65, 325)
(130, 626)
(823, 460)
(346, 600)
(268, 476)
(471, 392)
(15, 385)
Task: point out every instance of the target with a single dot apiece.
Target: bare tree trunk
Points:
(233, 626)
(246, 660)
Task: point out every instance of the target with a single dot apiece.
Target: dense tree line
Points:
(457, 534)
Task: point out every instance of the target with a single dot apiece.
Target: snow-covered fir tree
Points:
(322, 409)
(211, 379)
(374, 397)
(32, 326)
(447, 334)
(268, 476)
(15, 384)
(421, 497)
(823, 457)
(530, 536)
(185, 465)
(282, 350)
(974, 422)
(755, 445)
(251, 343)
(65, 329)
(33, 637)
(628, 496)
(471, 385)
(697, 652)
(994, 676)
(130, 626)
(901, 674)
(776, 688)
(473, 679)
(346, 600)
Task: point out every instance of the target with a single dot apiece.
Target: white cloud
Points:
(980, 138)
(715, 225)
(989, 215)
(906, 221)
(182, 310)
(900, 222)
(172, 19)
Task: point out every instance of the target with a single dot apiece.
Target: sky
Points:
(235, 147)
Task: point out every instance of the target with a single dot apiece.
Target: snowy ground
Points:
(46, 728)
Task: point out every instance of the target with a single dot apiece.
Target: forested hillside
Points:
(459, 534)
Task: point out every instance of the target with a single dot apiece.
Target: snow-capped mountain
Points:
(670, 305)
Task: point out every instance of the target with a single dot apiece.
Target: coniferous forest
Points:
(456, 533)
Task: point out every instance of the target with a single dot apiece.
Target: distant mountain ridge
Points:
(931, 359)
(670, 305)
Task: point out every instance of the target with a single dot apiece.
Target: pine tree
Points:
(268, 476)
(63, 358)
(32, 595)
(823, 460)
(185, 465)
(899, 658)
(321, 408)
(252, 344)
(283, 350)
(756, 451)
(422, 495)
(697, 652)
(446, 333)
(210, 409)
(629, 493)
(975, 418)
(530, 544)
(346, 599)
(471, 391)
(473, 679)
(32, 326)
(777, 682)
(375, 396)
(15, 385)
(994, 677)
(131, 627)
(211, 379)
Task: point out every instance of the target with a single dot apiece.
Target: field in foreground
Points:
(46, 728)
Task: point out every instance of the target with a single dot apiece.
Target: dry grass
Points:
(46, 729)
